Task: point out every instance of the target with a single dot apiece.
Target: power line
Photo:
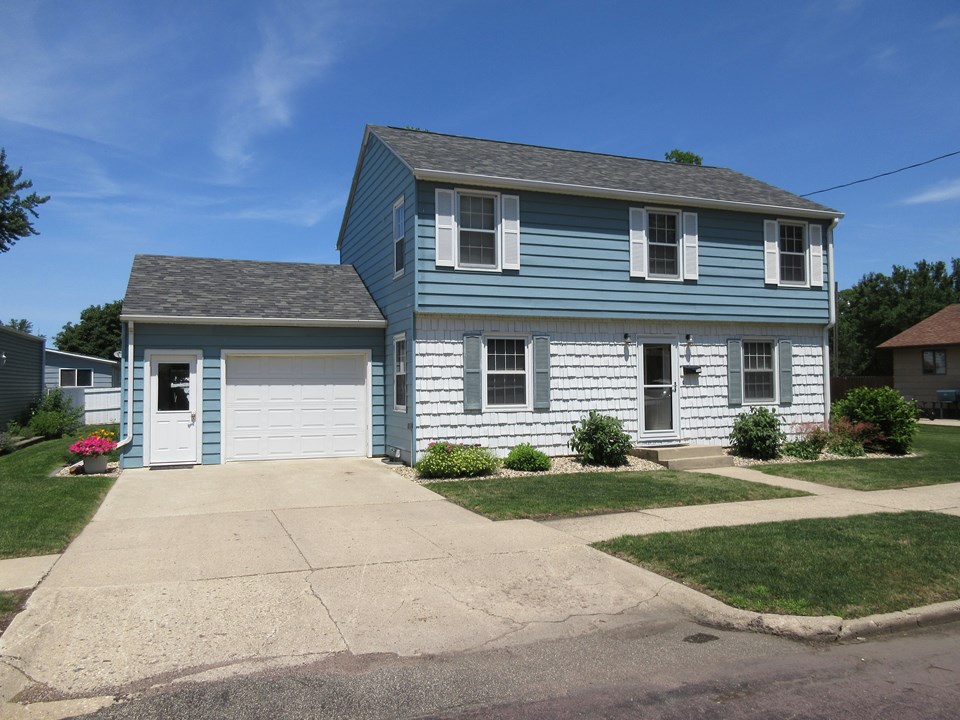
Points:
(892, 172)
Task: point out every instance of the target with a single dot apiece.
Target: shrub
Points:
(528, 458)
(16, 429)
(802, 449)
(893, 415)
(54, 416)
(449, 460)
(757, 434)
(7, 442)
(600, 440)
(864, 434)
(814, 435)
(846, 446)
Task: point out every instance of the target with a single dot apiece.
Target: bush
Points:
(449, 460)
(54, 416)
(894, 416)
(600, 440)
(802, 449)
(7, 442)
(846, 446)
(757, 434)
(528, 458)
(16, 429)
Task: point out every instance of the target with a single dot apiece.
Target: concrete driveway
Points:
(211, 571)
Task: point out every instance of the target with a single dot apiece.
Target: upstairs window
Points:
(477, 230)
(663, 244)
(398, 237)
(934, 362)
(793, 254)
(477, 221)
(76, 378)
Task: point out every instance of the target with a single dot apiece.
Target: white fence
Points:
(101, 406)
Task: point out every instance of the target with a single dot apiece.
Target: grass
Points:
(10, 604)
(938, 461)
(849, 567)
(40, 514)
(553, 496)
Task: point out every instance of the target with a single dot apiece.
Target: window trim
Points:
(678, 214)
(527, 371)
(923, 362)
(774, 370)
(75, 378)
(497, 231)
(806, 255)
(399, 235)
(398, 338)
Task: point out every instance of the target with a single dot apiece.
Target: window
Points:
(477, 230)
(793, 254)
(758, 371)
(506, 371)
(76, 378)
(663, 244)
(934, 362)
(477, 221)
(400, 373)
(398, 237)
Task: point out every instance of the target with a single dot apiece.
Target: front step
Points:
(686, 457)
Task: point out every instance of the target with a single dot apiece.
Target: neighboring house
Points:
(514, 289)
(21, 373)
(71, 370)
(926, 357)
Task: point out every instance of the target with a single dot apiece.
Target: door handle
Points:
(193, 417)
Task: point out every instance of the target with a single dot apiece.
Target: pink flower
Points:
(93, 446)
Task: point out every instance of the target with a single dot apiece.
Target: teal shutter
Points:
(734, 373)
(541, 372)
(472, 382)
(786, 372)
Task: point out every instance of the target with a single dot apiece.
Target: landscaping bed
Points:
(850, 567)
(558, 466)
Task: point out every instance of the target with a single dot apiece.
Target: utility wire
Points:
(892, 172)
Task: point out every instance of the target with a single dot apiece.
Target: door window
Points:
(173, 386)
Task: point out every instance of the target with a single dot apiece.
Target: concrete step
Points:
(699, 463)
(677, 452)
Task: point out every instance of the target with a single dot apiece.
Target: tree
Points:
(15, 211)
(880, 306)
(97, 333)
(683, 157)
(23, 325)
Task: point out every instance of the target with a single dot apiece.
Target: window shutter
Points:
(541, 372)
(734, 373)
(786, 372)
(472, 385)
(691, 251)
(445, 227)
(816, 255)
(510, 220)
(771, 255)
(638, 242)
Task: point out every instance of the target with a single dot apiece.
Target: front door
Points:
(174, 403)
(658, 380)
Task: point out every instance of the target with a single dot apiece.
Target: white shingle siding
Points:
(591, 370)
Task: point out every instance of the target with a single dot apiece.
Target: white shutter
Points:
(771, 254)
(510, 223)
(446, 229)
(638, 242)
(816, 255)
(691, 251)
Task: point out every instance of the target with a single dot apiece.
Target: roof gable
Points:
(78, 356)
(941, 328)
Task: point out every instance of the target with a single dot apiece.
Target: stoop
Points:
(686, 457)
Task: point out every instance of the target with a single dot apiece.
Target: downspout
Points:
(129, 434)
(831, 322)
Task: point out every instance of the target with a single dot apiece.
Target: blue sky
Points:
(231, 129)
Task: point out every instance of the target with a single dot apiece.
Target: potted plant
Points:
(94, 449)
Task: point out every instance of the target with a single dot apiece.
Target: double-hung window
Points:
(398, 237)
(400, 373)
(793, 253)
(663, 243)
(506, 371)
(934, 362)
(477, 221)
(70, 377)
(477, 230)
(758, 371)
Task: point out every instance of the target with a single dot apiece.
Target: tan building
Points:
(926, 357)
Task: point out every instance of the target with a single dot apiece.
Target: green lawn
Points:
(849, 567)
(938, 462)
(40, 514)
(553, 496)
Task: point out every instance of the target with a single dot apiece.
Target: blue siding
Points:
(575, 263)
(21, 374)
(211, 340)
(105, 374)
(368, 245)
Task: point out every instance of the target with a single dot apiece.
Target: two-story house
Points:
(491, 293)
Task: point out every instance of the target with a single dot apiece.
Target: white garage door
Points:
(295, 406)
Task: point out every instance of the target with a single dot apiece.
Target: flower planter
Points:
(95, 464)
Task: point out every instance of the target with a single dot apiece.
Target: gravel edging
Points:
(789, 459)
(564, 465)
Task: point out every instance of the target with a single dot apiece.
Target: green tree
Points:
(97, 333)
(683, 157)
(881, 306)
(15, 211)
(22, 324)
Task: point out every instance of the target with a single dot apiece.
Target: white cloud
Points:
(306, 213)
(941, 192)
(947, 23)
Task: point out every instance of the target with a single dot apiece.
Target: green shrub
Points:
(802, 449)
(894, 416)
(846, 446)
(528, 458)
(757, 434)
(54, 416)
(600, 440)
(449, 460)
(7, 442)
(16, 429)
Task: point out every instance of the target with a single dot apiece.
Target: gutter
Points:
(286, 322)
(129, 436)
(831, 323)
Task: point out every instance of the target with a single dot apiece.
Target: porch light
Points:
(689, 340)
(626, 338)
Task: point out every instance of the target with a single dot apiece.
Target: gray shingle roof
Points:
(186, 287)
(426, 151)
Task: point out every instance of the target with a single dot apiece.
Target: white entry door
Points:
(174, 405)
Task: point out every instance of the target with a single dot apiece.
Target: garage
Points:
(296, 405)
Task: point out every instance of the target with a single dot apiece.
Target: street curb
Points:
(826, 628)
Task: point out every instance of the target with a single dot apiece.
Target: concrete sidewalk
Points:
(24, 573)
(824, 501)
